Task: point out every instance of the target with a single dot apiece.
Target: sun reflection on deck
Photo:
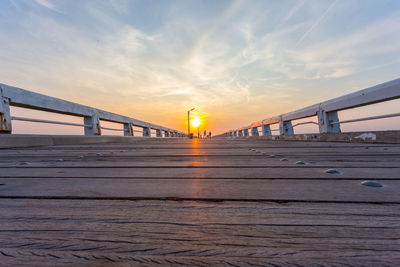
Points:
(197, 184)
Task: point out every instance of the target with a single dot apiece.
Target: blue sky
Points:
(236, 61)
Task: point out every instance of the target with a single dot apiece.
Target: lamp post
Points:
(189, 122)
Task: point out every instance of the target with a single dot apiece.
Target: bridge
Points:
(253, 196)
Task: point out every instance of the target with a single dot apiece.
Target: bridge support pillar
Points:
(254, 131)
(92, 125)
(266, 130)
(5, 115)
(246, 132)
(285, 127)
(326, 120)
(128, 129)
(158, 133)
(146, 132)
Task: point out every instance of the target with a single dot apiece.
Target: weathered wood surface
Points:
(207, 203)
(199, 189)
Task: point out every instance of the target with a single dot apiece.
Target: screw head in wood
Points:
(332, 171)
(371, 183)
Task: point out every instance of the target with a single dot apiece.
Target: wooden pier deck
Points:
(175, 202)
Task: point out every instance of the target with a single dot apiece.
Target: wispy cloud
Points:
(14, 4)
(316, 23)
(47, 4)
(299, 4)
(229, 59)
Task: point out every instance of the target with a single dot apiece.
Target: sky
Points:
(236, 62)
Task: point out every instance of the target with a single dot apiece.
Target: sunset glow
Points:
(195, 122)
(239, 61)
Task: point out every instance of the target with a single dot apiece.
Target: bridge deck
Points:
(200, 203)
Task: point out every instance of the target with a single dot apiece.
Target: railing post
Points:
(128, 129)
(254, 131)
(5, 115)
(285, 127)
(325, 120)
(92, 125)
(146, 132)
(267, 130)
(158, 133)
(246, 132)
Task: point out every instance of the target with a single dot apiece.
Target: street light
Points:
(189, 121)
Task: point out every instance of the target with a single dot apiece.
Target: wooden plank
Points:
(29, 257)
(93, 210)
(199, 163)
(212, 146)
(168, 211)
(202, 189)
(198, 233)
(193, 158)
(110, 160)
(112, 156)
(213, 143)
(204, 152)
(205, 173)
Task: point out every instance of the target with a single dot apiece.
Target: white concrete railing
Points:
(12, 96)
(327, 112)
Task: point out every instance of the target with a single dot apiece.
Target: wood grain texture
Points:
(200, 203)
(202, 189)
(202, 172)
(208, 233)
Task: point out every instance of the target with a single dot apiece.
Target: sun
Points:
(195, 122)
